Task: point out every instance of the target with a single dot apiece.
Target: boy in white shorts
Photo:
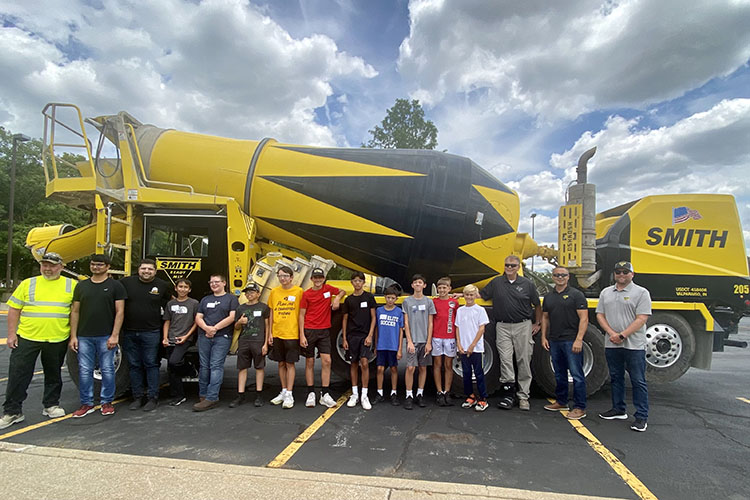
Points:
(443, 341)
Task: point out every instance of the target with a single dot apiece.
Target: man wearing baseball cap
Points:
(622, 313)
(38, 324)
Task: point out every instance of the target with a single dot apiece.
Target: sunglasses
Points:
(511, 265)
(559, 275)
(622, 271)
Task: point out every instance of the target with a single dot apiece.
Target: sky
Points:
(660, 87)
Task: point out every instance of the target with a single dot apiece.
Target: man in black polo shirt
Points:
(514, 302)
(147, 295)
(564, 322)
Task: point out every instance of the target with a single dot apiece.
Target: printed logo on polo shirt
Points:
(565, 297)
(154, 291)
(519, 288)
(626, 298)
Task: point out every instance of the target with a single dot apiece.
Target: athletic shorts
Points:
(357, 348)
(387, 358)
(418, 358)
(285, 350)
(249, 353)
(444, 347)
(317, 338)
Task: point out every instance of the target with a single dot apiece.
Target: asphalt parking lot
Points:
(697, 444)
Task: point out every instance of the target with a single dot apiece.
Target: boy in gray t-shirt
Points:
(418, 315)
(179, 326)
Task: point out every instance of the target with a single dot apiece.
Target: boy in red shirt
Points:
(444, 341)
(315, 324)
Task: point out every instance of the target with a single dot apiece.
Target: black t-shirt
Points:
(511, 302)
(563, 310)
(214, 309)
(358, 307)
(145, 303)
(256, 314)
(96, 313)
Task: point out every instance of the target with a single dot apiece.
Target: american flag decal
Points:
(683, 214)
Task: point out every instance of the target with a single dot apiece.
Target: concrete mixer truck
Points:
(199, 204)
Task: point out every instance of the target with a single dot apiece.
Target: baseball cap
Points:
(52, 258)
(251, 287)
(624, 264)
(317, 272)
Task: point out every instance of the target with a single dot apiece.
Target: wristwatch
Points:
(622, 337)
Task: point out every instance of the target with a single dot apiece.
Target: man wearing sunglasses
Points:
(515, 301)
(622, 313)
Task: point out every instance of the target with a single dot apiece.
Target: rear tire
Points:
(670, 345)
(490, 365)
(122, 375)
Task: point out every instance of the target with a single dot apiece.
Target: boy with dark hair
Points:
(285, 341)
(444, 341)
(419, 311)
(388, 338)
(253, 319)
(470, 322)
(179, 326)
(358, 329)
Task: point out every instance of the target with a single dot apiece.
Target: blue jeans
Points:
(142, 350)
(564, 360)
(469, 363)
(619, 360)
(89, 349)
(212, 352)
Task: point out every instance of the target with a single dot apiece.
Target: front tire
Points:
(122, 375)
(670, 345)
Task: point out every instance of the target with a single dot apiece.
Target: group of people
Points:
(50, 313)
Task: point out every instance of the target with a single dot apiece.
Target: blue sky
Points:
(522, 88)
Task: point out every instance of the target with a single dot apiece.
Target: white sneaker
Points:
(366, 403)
(53, 412)
(310, 403)
(327, 400)
(278, 399)
(288, 401)
(8, 420)
(352, 401)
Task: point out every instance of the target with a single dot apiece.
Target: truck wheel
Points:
(339, 364)
(490, 365)
(122, 376)
(670, 346)
(594, 364)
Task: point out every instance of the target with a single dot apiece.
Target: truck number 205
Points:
(738, 289)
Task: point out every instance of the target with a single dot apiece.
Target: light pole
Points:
(11, 201)
(533, 216)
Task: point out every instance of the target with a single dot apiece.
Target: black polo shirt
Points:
(511, 302)
(563, 310)
(145, 302)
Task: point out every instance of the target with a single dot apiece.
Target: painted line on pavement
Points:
(35, 374)
(620, 469)
(744, 400)
(3, 341)
(295, 445)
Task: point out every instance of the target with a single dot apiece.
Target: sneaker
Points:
(394, 400)
(575, 414)
(556, 407)
(310, 402)
(448, 399)
(440, 399)
(470, 402)
(408, 403)
(204, 405)
(327, 400)
(420, 401)
(639, 425)
(238, 400)
(53, 412)
(278, 399)
(177, 401)
(481, 406)
(151, 404)
(107, 409)
(505, 404)
(352, 401)
(83, 411)
(258, 401)
(366, 403)
(288, 401)
(524, 405)
(614, 415)
(378, 399)
(137, 403)
(8, 420)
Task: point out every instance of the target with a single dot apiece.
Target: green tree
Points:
(404, 127)
(32, 208)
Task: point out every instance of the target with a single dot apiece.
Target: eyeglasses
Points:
(511, 265)
(560, 275)
(622, 271)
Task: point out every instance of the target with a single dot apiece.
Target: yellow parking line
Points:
(295, 445)
(3, 341)
(35, 373)
(630, 479)
(744, 400)
(23, 430)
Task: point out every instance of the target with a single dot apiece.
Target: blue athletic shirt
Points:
(389, 323)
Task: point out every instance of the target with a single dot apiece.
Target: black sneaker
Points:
(505, 404)
(378, 399)
(137, 403)
(394, 400)
(237, 401)
(151, 404)
(258, 401)
(639, 425)
(440, 399)
(408, 403)
(448, 400)
(420, 401)
(615, 415)
(177, 401)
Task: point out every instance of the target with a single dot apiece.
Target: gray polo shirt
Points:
(418, 311)
(620, 307)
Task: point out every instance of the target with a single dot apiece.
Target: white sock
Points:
(409, 394)
(283, 392)
(393, 392)
(364, 392)
(355, 391)
(420, 392)
(380, 391)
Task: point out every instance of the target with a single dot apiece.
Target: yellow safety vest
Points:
(45, 308)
